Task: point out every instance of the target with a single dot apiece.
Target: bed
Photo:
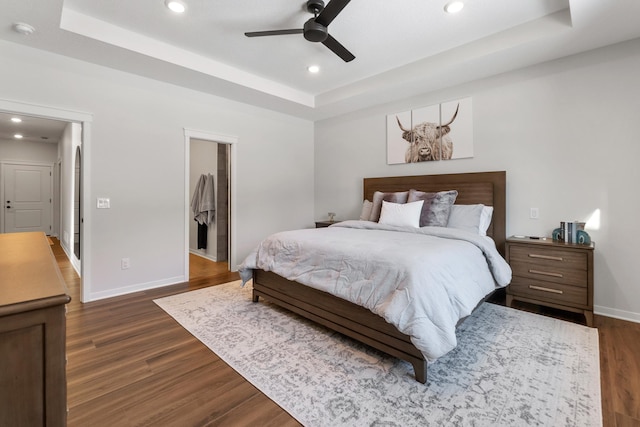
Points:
(358, 322)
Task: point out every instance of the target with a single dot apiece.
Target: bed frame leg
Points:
(255, 297)
(420, 369)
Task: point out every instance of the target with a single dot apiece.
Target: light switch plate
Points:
(534, 213)
(104, 203)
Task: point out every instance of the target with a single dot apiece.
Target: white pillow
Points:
(473, 218)
(379, 196)
(465, 217)
(401, 214)
(366, 210)
(485, 219)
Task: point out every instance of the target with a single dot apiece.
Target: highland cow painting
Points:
(461, 130)
(436, 132)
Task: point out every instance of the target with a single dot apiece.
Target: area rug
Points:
(510, 368)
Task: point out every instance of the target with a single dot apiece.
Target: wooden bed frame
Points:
(488, 188)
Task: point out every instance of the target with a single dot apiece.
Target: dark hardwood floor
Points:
(130, 364)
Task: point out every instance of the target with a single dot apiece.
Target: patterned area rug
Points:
(510, 368)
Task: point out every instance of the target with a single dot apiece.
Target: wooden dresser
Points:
(33, 388)
(553, 274)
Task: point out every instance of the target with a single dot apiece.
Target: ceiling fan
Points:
(315, 29)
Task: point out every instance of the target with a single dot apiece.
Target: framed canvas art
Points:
(461, 129)
(437, 132)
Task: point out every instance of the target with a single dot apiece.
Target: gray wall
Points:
(567, 134)
(28, 151)
(137, 159)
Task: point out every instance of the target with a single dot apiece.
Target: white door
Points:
(27, 198)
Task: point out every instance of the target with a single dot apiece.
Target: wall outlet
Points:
(125, 263)
(534, 213)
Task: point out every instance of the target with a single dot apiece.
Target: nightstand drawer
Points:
(552, 273)
(546, 291)
(550, 257)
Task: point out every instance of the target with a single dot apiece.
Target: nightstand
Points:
(322, 224)
(553, 274)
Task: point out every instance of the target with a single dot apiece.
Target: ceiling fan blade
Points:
(273, 33)
(338, 49)
(330, 11)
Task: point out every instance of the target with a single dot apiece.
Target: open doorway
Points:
(209, 236)
(73, 131)
(40, 178)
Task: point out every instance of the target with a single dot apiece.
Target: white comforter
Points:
(422, 281)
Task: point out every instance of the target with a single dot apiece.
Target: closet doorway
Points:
(209, 195)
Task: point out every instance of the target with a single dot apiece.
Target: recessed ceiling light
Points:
(176, 6)
(16, 119)
(453, 6)
(313, 68)
(17, 136)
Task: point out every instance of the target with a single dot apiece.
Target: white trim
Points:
(617, 314)
(132, 288)
(201, 255)
(85, 234)
(42, 111)
(222, 139)
(27, 162)
(55, 113)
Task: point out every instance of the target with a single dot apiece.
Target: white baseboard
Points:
(617, 314)
(71, 257)
(203, 255)
(94, 296)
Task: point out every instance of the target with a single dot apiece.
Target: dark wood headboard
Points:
(488, 188)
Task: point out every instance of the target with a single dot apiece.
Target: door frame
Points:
(3, 164)
(220, 139)
(85, 119)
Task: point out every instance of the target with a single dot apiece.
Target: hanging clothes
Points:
(195, 199)
(203, 206)
(208, 203)
(203, 230)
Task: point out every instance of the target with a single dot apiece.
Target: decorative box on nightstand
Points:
(551, 273)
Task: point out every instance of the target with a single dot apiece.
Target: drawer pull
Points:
(540, 288)
(554, 258)
(546, 273)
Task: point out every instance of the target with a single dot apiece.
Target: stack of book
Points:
(569, 231)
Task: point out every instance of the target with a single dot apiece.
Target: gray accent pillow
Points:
(378, 197)
(436, 208)
(366, 210)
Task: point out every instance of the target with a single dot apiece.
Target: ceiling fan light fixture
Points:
(176, 6)
(453, 6)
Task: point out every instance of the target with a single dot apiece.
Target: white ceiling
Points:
(32, 129)
(402, 47)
